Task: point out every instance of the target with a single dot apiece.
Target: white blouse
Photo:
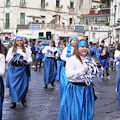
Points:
(64, 54)
(117, 55)
(75, 69)
(49, 51)
(26, 56)
(2, 65)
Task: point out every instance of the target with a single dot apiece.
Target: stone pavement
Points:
(106, 106)
(43, 104)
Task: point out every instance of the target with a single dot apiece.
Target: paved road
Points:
(43, 104)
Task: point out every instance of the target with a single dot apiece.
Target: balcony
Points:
(22, 4)
(118, 20)
(22, 26)
(48, 26)
(7, 4)
(7, 25)
(71, 10)
(58, 8)
(42, 6)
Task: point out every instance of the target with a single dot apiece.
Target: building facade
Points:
(43, 17)
(115, 20)
(97, 22)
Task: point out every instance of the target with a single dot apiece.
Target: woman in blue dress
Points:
(67, 52)
(18, 58)
(39, 55)
(50, 63)
(2, 71)
(78, 98)
(102, 54)
(117, 59)
(60, 63)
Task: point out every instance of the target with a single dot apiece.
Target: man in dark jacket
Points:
(112, 51)
(33, 53)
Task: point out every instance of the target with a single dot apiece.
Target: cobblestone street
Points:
(43, 104)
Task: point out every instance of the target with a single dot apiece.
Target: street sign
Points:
(44, 42)
(35, 26)
(78, 27)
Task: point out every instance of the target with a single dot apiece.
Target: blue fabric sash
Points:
(18, 37)
(51, 40)
(69, 47)
(69, 50)
(82, 43)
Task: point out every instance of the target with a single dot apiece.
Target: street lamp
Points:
(115, 13)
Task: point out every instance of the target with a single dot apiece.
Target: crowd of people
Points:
(73, 65)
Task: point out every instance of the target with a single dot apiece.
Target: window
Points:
(79, 7)
(58, 3)
(22, 2)
(43, 17)
(70, 21)
(63, 24)
(7, 3)
(7, 20)
(95, 28)
(22, 19)
(43, 4)
(93, 35)
(71, 4)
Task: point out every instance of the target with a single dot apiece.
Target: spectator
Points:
(33, 53)
(10, 45)
(4, 49)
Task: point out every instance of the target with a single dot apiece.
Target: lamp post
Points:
(115, 14)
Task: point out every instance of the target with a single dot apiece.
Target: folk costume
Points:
(2, 71)
(49, 64)
(67, 52)
(92, 51)
(103, 59)
(39, 55)
(18, 73)
(60, 63)
(78, 98)
(117, 61)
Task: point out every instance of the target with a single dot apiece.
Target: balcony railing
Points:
(22, 4)
(50, 26)
(22, 26)
(7, 25)
(7, 4)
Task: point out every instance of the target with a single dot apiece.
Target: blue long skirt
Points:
(59, 67)
(49, 70)
(63, 81)
(1, 96)
(77, 103)
(104, 63)
(17, 82)
(118, 79)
